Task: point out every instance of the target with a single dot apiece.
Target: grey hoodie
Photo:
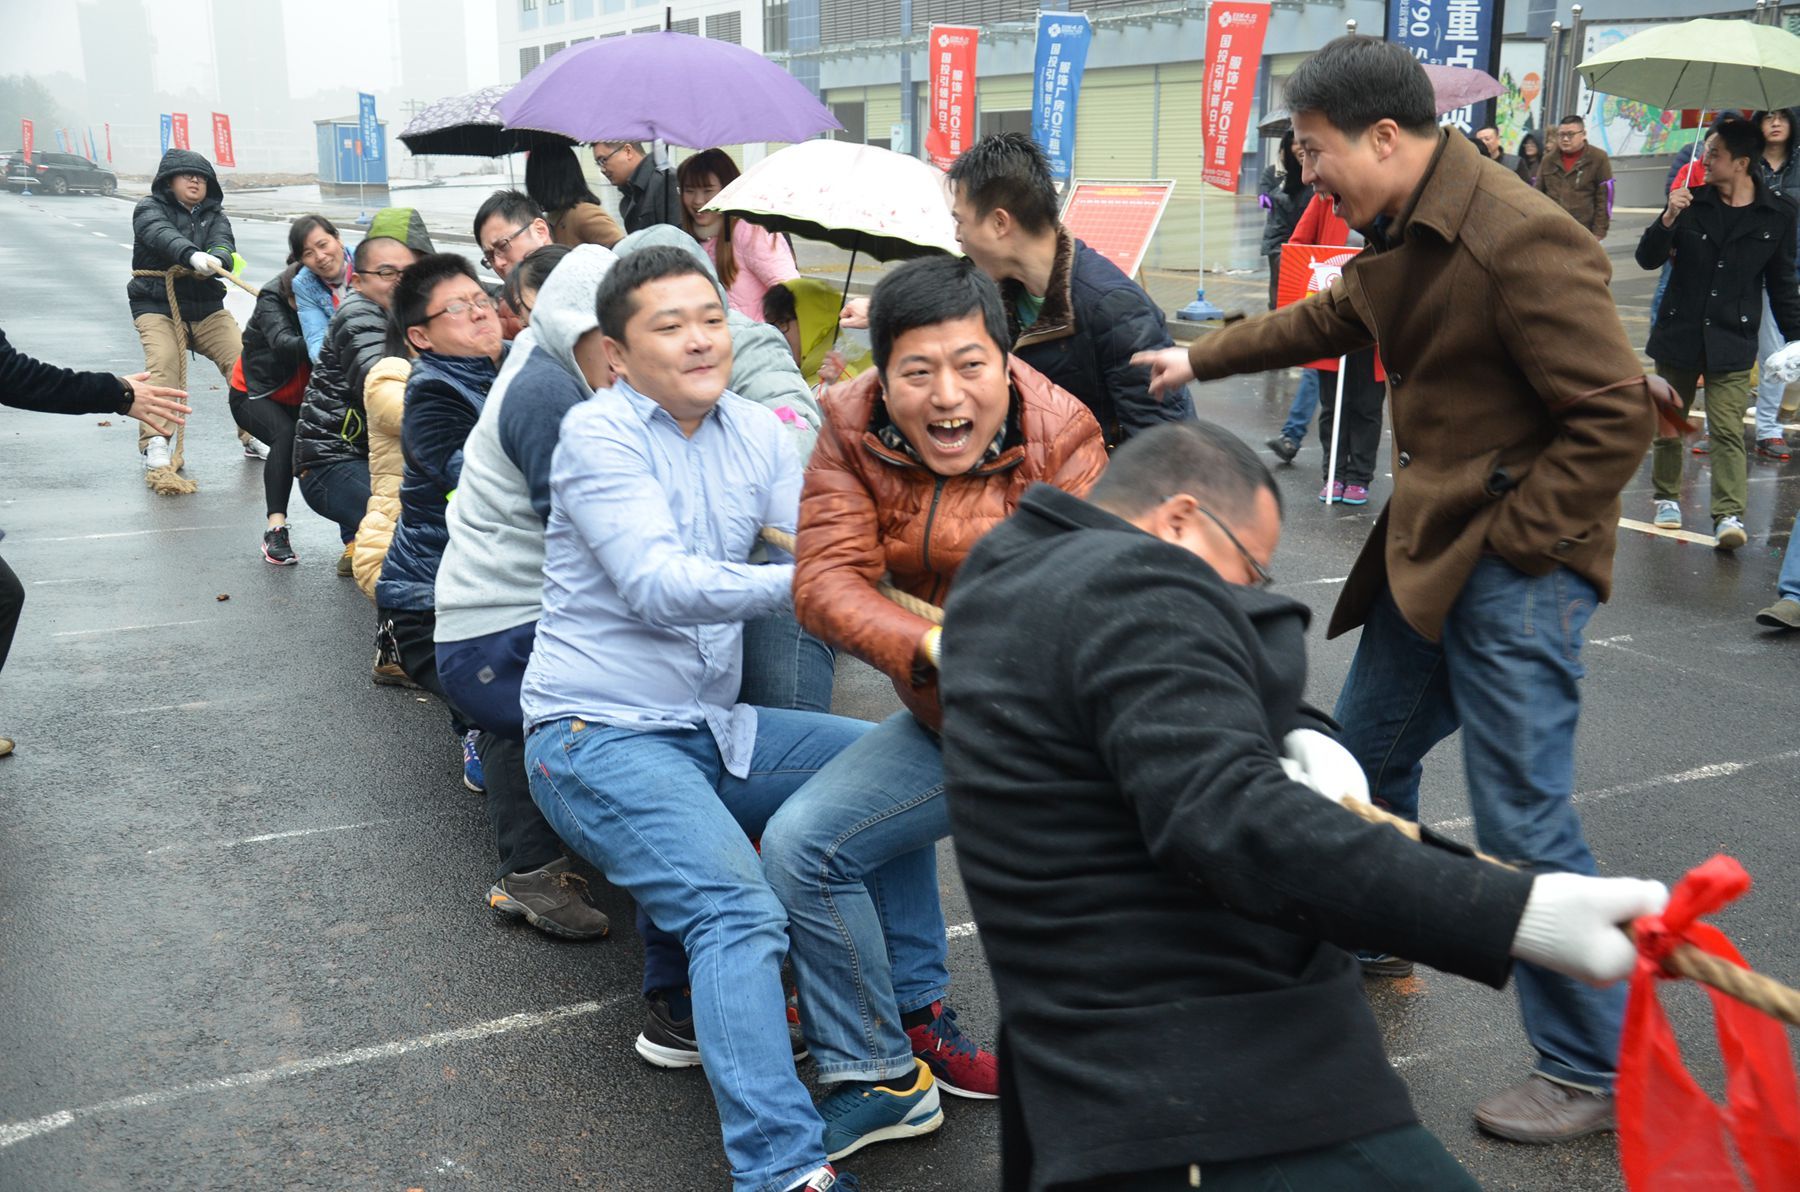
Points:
(492, 575)
(762, 366)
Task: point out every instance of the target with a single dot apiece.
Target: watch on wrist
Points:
(129, 397)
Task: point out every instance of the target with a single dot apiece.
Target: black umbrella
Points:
(468, 126)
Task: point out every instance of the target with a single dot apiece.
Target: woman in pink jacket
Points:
(748, 259)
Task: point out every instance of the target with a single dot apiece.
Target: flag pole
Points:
(1200, 310)
(1337, 426)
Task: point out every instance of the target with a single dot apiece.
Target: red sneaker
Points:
(959, 1066)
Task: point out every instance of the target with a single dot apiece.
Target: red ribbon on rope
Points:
(1672, 1136)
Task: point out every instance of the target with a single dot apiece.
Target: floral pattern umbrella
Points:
(470, 126)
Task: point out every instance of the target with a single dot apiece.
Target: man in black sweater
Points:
(1164, 898)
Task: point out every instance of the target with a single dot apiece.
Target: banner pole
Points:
(1337, 426)
(1200, 310)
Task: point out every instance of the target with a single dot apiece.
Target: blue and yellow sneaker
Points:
(859, 1113)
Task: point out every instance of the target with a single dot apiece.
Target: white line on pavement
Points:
(43, 583)
(127, 534)
(266, 837)
(190, 706)
(959, 931)
(102, 235)
(1307, 583)
(16, 1132)
(125, 628)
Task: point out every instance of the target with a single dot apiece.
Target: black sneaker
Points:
(669, 1042)
(551, 899)
(1384, 964)
(1284, 448)
(387, 671)
(276, 549)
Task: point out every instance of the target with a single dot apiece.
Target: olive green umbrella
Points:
(1701, 64)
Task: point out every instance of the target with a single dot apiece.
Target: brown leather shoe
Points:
(1541, 1110)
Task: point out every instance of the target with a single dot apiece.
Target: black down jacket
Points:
(274, 348)
(165, 233)
(332, 425)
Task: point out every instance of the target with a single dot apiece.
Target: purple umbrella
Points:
(673, 87)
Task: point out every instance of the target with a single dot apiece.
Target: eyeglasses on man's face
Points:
(498, 248)
(468, 306)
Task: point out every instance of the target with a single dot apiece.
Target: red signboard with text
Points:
(951, 127)
(178, 137)
(1116, 219)
(1308, 269)
(25, 131)
(1234, 41)
(222, 153)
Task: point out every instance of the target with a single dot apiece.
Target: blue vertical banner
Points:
(370, 128)
(1450, 33)
(168, 131)
(1062, 49)
(90, 145)
(62, 142)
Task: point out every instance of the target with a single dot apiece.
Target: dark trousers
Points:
(1408, 1159)
(273, 423)
(339, 492)
(1274, 276)
(522, 839)
(1359, 443)
(12, 601)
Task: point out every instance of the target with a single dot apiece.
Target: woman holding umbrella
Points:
(748, 259)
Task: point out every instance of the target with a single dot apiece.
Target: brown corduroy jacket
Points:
(1519, 409)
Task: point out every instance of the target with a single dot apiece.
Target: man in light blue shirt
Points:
(638, 751)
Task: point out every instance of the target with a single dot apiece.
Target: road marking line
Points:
(44, 583)
(190, 706)
(1307, 583)
(1679, 535)
(102, 235)
(16, 1132)
(124, 628)
(266, 837)
(960, 930)
(1697, 774)
(127, 534)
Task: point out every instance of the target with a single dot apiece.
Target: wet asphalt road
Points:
(242, 936)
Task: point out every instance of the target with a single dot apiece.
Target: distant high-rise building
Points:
(434, 52)
(115, 58)
(250, 57)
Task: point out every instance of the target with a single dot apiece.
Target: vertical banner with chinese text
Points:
(1234, 39)
(1062, 46)
(25, 137)
(222, 151)
(62, 141)
(180, 130)
(168, 131)
(370, 127)
(1450, 33)
(951, 126)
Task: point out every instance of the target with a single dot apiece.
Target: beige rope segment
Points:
(169, 482)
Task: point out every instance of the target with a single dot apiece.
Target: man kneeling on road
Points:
(638, 753)
(1158, 890)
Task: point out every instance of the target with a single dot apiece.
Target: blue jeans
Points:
(338, 492)
(1769, 391)
(657, 813)
(1305, 405)
(1788, 586)
(1505, 673)
(785, 666)
(853, 857)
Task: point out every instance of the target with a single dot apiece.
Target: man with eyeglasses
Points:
(509, 226)
(1579, 177)
(648, 193)
(1166, 904)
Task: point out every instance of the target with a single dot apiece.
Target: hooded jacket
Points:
(165, 234)
(491, 577)
(274, 348)
(444, 396)
(816, 308)
(384, 398)
(1094, 319)
(869, 509)
(762, 365)
(332, 427)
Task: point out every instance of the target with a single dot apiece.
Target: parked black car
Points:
(58, 174)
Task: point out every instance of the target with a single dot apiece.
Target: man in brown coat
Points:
(1520, 412)
(1578, 177)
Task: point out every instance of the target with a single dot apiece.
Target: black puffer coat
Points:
(165, 233)
(274, 348)
(332, 425)
(1284, 208)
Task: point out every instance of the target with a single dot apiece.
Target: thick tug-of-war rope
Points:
(1746, 985)
(169, 481)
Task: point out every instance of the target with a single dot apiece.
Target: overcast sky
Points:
(45, 38)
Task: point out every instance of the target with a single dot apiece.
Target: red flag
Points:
(222, 153)
(1672, 1136)
(178, 137)
(951, 126)
(108, 129)
(25, 131)
(1234, 41)
(1307, 269)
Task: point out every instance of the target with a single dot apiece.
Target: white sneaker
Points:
(255, 448)
(156, 453)
(1729, 533)
(1668, 515)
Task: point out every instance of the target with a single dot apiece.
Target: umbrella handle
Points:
(844, 298)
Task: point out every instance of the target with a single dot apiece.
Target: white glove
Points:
(203, 262)
(1313, 759)
(1571, 924)
(1784, 363)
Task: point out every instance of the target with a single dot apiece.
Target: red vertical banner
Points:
(952, 124)
(25, 133)
(1234, 39)
(108, 129)
(179, 137)
(222, 152)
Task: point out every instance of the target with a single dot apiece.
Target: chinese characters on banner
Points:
(25, 132)
(168, 127)
(952, 123)
(1234, 41)
(1449, 33)
(370, 127)
(1062, 45)
(179, 121)
(222, 151)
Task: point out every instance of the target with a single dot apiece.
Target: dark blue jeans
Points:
(1305, 405)
(338, 492)
(1505, 673)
